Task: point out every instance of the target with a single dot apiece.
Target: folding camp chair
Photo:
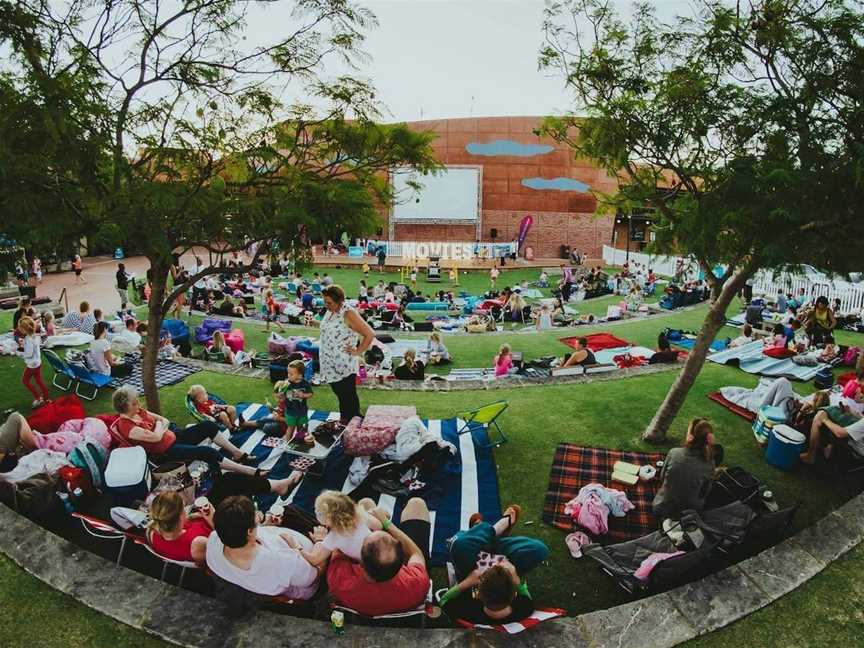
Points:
(86, 377)
(198, 416)
(422, 610)
(61, 369)
(486, 416)
(166, 562)
(104, 531)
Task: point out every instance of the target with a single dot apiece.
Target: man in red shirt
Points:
(391, 576)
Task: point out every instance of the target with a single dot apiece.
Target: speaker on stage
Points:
(494, 233)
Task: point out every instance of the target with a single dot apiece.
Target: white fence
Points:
(660, 264)
(851, 295)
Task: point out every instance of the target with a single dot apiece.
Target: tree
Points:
(203, 149)
(741, 127)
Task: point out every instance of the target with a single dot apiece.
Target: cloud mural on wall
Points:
(555, 184)
(508, 147)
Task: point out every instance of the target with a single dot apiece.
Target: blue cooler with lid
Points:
(766, 418)
(785, 444)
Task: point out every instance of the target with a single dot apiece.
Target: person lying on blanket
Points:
(837, 422)
(581, 356)
(391, 576)
(138, 427)
(688, 472)
(490, 561)
(266, 559)
(224, 414)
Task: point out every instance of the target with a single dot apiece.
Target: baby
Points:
(224, 414)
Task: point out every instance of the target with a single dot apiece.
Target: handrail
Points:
(64, 298)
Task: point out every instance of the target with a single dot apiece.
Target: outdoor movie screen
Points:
(452, 195)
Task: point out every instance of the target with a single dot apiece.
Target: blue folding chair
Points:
(61, 370)
(86, 377)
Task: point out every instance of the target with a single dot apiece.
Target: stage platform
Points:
(395, 263)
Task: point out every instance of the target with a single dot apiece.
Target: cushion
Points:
(377, 430)
(235, 340)
(51, 416)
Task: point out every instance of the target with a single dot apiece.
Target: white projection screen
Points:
(452, 195)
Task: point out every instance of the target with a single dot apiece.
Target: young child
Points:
(48, 327)
(436, 351)
(543, 281)
(365, 270)
(493, 276)
(454, 277)
(33, 361)
(503, 361)
(413, 277)
(224, 414)
(293, 409)
(272, 310)
(348, 523)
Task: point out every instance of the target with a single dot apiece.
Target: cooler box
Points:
(766, 418)
(784, 446)
(127, 476)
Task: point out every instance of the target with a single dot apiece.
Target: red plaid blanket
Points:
(575, 467)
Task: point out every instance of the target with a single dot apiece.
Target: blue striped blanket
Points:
(454, 496)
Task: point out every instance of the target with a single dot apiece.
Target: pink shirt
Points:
(502, 365)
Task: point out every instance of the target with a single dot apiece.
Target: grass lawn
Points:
(610, 414)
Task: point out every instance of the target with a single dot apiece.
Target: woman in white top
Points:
(344, 338)
(102, 359)
(266, 560)
(544, 318)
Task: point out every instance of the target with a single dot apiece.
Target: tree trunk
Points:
(159, 276)
(714, 321)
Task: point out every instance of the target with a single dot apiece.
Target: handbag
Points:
(174, 476)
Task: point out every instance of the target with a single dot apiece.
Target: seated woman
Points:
(266, 560)
(436, 351)
(688, 472)
(820, 322)
(664, 353)
(82, 320)
(489, 559)
(411, 368)
(17, 431)
(582, 355)
(101, 357)
(139, 427)
(219, 345)
(176, 536)
(514, 308)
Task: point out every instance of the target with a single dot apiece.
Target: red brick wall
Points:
(560, 217)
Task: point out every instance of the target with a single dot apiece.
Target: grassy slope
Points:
(537, 420)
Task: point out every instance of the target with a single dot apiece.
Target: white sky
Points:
(433, 59)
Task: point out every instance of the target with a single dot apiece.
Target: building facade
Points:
(522, 174)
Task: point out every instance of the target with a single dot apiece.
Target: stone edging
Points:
(663, 620)
(509, 382)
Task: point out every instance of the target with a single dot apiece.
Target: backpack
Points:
(824, 379)
(91, 458)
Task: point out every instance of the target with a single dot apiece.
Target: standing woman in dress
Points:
(344, 338)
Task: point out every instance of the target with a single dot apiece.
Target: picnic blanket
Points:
(168, 372)
(717, 397)
(606, 356)
(687, 343)
(477, 373)
(597, 341)
(574, 467)
(750, 358)
(451, 501)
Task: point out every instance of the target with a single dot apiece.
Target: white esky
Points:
(434, 59)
